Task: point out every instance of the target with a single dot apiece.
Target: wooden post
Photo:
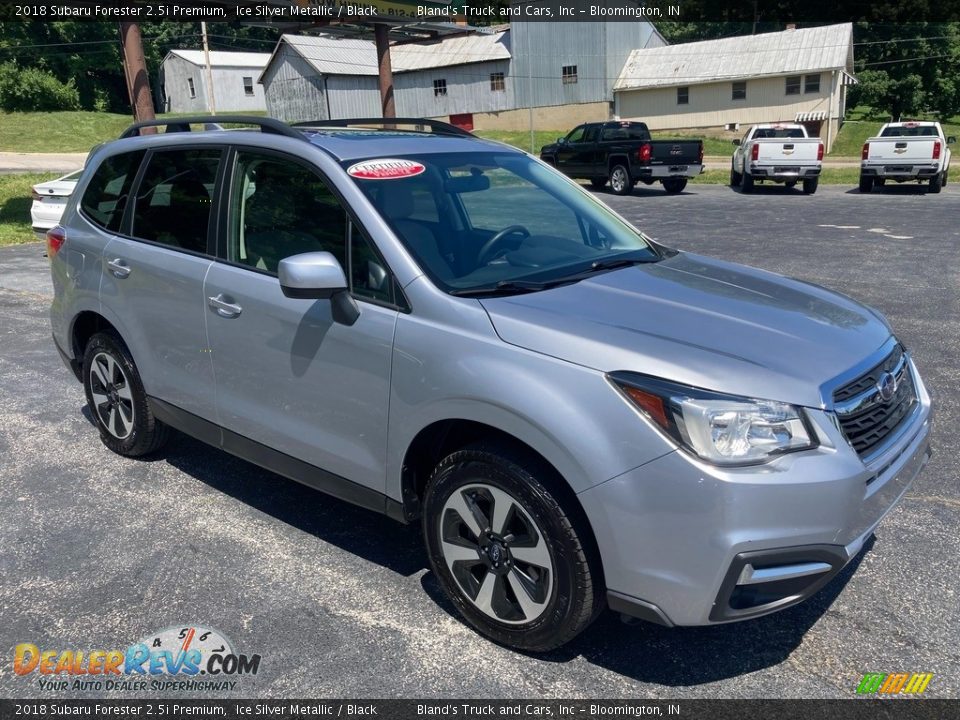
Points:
(388, 110)
(135, 68)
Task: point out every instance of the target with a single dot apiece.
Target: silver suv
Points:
(443, 328)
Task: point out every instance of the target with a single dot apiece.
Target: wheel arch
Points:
(84, 326)
(442, 437)
(619, 159)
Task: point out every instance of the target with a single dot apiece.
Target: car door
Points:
(569, 151)
(153, 275)
(288, 376)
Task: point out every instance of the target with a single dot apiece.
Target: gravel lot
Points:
(96, 551)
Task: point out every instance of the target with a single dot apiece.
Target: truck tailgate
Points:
(901, 149)
(675, 152)
(790, 151)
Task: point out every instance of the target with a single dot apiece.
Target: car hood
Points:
(701, 322)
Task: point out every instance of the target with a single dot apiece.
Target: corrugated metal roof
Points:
(780, 53)
(333, 55)
(225, 58)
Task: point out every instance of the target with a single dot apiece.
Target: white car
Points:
(49, 200)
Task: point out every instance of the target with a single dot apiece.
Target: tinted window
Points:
(591, 134)
(278, 209)
(106, 196)
(576, 135)
(173, 199)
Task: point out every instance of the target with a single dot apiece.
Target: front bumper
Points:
(687, 543)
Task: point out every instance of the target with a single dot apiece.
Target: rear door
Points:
(289, 377)
(154, 271)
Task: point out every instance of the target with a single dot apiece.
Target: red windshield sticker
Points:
(385, 169)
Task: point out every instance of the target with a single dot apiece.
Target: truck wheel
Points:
(506, 552)
(946, 176)
(598, 182)
(746, 182)
(117, 399)
(810, 185)
(620, 181)
(674, 185)
(866, 184)
(936, 182)
(734, 176)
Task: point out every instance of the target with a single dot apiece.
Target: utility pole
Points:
(206, 59)
(388, 109)
(135, 69)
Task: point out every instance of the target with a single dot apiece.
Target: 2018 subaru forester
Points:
(437, 326)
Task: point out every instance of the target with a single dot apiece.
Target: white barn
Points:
(790, 76)
(183, 81)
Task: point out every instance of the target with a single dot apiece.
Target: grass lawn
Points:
(15, 201)
(64, 132)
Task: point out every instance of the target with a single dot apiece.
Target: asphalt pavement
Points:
(98, 551)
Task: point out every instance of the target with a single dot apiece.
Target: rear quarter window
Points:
(106, 196)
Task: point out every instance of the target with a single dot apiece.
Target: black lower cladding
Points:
(275, 461)
(738, 602)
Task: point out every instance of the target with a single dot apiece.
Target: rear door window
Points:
(174, 198)
(106, 196)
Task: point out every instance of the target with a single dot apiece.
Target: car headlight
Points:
(721, 429)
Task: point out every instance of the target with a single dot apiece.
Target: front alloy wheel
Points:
(519, 567)
(496, 553)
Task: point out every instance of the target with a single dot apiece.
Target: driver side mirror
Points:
(318, 276)
(951, 139)
(736, 142)
(561, 141)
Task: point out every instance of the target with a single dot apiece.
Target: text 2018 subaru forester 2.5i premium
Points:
(440, 327)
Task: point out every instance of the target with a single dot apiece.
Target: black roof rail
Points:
(182, 124)
(437, 127)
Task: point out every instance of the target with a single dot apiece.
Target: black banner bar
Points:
(759, 13)
(854, 709)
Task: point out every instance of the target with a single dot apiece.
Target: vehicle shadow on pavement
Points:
(894, 189)
(362, 532)
(690, 655)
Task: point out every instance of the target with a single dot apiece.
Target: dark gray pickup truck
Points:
(622, 153)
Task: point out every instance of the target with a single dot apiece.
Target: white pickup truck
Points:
(904, 152)
(781, 153)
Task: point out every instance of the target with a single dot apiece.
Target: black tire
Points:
(597, 182)
(879, 182)
(936, 182)
(866, 183)
(734, 177)
(566, 597)
(620, 181)
(810, 185)
(746, 182)
(117, 400)
(946, 177)
(792, 184)
(674, 185)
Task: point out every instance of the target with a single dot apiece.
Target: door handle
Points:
(119, 268)
(223, 307)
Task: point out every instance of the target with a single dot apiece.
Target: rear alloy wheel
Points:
(505, 552)
(620, 181)
(117, 400)
(674, 185)
(810, 185)
(866, 183)
(734, 177)
(936, 182)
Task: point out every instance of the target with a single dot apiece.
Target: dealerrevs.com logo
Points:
(188, 658)
(894, 683)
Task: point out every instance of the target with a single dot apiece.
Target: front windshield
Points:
(486, 220)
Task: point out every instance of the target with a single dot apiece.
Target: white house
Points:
(798, 75)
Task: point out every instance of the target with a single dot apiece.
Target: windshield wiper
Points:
(614, 263)
(507, 286)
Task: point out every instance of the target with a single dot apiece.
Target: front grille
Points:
(866, 419)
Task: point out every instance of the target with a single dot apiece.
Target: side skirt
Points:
(274, 461)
